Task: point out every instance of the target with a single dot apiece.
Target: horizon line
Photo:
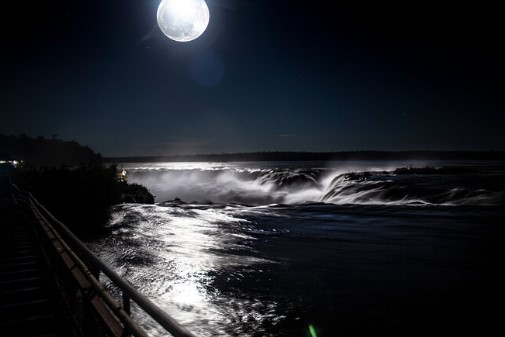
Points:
(306, 152)
(321, 156)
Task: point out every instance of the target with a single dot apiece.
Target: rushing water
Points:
(305, 249)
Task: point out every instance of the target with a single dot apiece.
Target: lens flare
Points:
(312, 330)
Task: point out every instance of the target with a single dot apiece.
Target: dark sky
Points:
(266, 75)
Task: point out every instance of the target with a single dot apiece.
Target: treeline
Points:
(80, 197)
(69, 179)
(318, 156)
(42, 151)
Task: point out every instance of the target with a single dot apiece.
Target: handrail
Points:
(129, 292)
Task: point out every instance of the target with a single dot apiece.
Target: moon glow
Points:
(183, 20)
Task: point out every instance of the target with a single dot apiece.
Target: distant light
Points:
(11, 162)
(122, 176)
(183, 20)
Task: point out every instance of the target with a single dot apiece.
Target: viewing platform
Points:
(50, 281)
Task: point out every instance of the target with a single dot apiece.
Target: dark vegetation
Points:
(79, 195)
(319, 156)
(43, 152)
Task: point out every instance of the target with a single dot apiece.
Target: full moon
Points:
(183, 20)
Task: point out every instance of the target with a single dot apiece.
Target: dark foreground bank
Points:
(81, 197)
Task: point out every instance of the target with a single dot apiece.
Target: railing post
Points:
(95, 271)
(126, 303)
(91, 325)
(127, 309)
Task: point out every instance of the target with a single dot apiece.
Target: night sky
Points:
(267, 75)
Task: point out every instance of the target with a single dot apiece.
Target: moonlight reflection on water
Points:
(176, 256)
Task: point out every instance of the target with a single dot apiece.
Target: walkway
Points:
(29, 306)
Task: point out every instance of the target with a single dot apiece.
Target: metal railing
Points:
(79, 269)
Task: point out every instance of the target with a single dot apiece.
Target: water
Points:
(271, 249)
